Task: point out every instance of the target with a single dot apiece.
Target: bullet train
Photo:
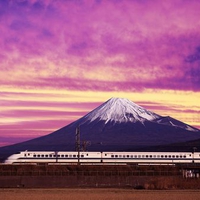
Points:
(103, 157)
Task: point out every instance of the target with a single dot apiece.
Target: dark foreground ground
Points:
(97, 194)
(73, 176)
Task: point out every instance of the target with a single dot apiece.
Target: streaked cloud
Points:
(54, 52)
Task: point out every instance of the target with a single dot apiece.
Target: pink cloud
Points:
(150, 36)
(95, 46)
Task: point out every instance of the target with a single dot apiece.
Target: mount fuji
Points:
(116, 125)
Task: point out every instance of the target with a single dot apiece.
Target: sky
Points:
(60, 59)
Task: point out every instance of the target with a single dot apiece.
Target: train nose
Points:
(7, 162)
(11, 159)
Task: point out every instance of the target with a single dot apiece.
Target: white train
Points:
(103, 157)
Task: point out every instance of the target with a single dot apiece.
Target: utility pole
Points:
(85, 144)
(194, 149)
(78, 143)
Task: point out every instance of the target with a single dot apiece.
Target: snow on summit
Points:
(120, 110)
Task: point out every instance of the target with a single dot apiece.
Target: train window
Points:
(82, 156)
(135, 156)
(154, 156)
(127, 156)
(120, 156)
(74, 156)
(165, 156)
(150, 156)
(147, 156)
(66, 156)
(38, 156)
(24, 154)
(50, 156)
(143, 156)
(124, 156)
(112, 156)
(158, 156)
(116, 156)
(139, 156)
(131, 156)
(28, 154)
(62, 156)
(177, 156)
(70, 156)
(170, 156)
(58, 156)
(46, 156)
(42, 156)
(87, 154)
(34, 156)
(180, 156)
(173, 156)
(162, 156)
(184, 156)
(54, 155)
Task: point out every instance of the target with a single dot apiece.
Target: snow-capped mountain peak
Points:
(120, 110)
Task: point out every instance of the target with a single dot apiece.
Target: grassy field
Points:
(97, 194)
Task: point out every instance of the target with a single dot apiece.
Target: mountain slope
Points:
(116, 125)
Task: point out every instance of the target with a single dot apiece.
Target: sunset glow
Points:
(61, 59)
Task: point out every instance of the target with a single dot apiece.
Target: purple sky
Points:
(60, 59)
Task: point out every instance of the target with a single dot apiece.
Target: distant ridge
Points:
(116, 125)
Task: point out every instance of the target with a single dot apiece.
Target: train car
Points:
(147, 157)
(53, 157)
